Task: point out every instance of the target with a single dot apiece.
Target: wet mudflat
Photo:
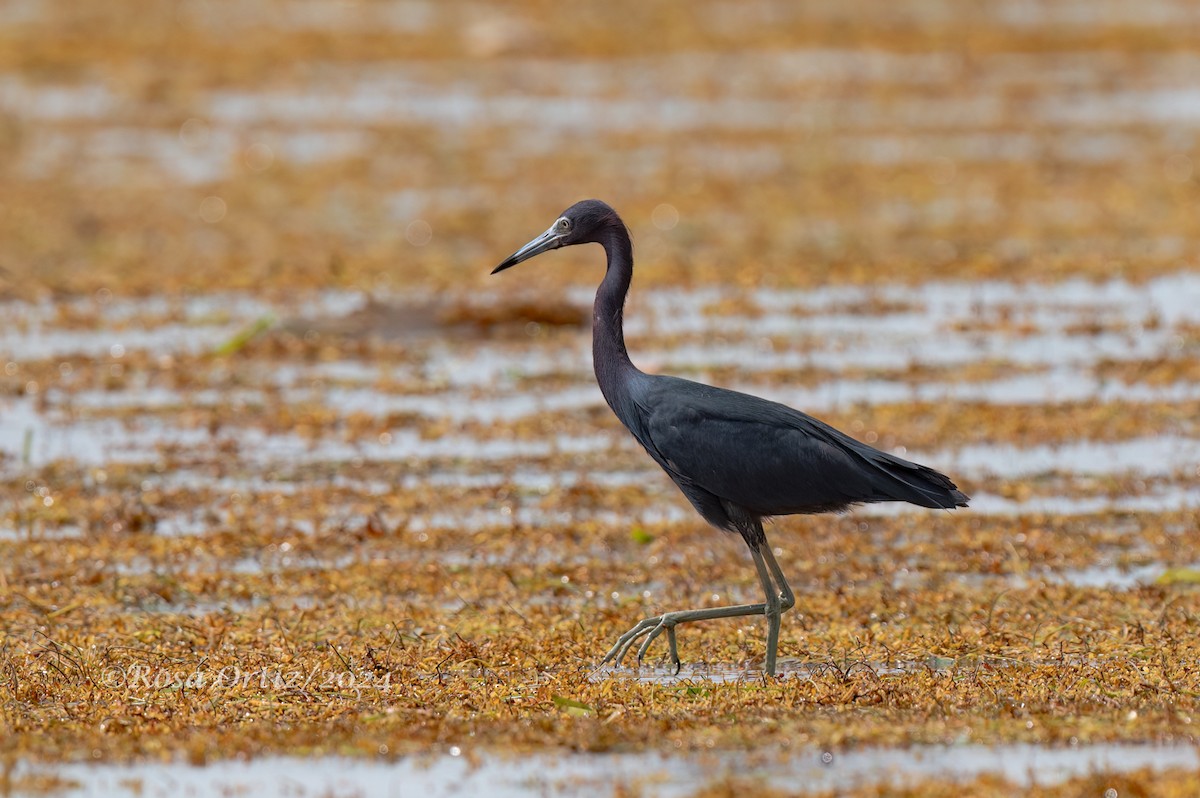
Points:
(297, 501)
(408, 546)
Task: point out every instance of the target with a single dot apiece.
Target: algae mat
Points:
(289, 481)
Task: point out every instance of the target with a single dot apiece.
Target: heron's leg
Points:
(651, 628)
(771, 608)
(674, 649)
(667, 622)
(787, 599)
(779, 598)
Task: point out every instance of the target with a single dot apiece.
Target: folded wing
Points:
(774, 460)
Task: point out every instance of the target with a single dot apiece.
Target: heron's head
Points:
(582, 223)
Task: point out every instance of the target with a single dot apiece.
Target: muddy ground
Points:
(295, 496)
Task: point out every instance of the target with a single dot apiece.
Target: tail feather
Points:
(918, 484)
(903, 480)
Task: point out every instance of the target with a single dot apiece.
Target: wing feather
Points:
(772, 459)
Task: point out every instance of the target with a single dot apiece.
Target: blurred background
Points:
(261, 401)
(151, 147)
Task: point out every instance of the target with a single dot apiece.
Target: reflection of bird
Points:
(736, 457)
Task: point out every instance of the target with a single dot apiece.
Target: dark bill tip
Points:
(546, 241)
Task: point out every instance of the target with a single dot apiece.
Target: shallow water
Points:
(30, 437)
(103, 133)
(482, 382)
(461, 771)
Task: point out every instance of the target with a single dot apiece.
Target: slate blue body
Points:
(722, 446)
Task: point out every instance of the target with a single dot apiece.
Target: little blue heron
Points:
(737, 458)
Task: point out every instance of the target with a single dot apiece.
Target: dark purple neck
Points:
(609, 357)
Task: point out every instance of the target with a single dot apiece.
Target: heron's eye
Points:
(562, 225)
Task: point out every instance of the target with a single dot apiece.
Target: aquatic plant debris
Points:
(284, 474)
(245, 336)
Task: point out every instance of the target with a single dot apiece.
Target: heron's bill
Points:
(551, 239)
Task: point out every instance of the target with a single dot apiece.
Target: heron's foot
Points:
(649, 628)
